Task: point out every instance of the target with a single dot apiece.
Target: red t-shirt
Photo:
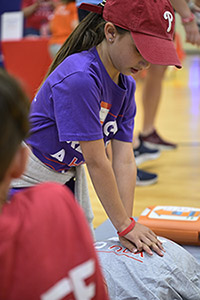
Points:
(46, 249)
(41, 16)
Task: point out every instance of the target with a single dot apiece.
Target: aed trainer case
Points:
(180, 224)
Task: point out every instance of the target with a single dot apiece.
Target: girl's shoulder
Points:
(77, 67)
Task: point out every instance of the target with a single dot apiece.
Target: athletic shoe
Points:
(145, 178)
(143, 153)
(154, 141)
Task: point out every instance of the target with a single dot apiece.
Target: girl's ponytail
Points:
(89, 33)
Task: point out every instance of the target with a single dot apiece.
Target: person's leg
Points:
(151, 98)
(143, 154)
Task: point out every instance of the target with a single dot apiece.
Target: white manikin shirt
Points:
(140, 276)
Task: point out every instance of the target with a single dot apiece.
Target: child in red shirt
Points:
(46, 248)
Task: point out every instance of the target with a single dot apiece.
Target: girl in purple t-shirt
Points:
(87, 102)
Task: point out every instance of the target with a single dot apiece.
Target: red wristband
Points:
(188, 20)
(128, 229)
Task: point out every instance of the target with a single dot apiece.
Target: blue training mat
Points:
(106, 230)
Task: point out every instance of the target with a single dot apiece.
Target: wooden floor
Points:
(179, 121)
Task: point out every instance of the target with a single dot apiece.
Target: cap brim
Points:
(91, 7)
(156, 50)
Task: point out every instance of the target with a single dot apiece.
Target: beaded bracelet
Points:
(188, 19)
(128, 229)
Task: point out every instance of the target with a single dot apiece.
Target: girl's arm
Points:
(105, 180)
(123, 163)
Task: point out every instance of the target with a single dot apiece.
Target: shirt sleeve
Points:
(76, 107)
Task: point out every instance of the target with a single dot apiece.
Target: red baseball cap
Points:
(151, 23)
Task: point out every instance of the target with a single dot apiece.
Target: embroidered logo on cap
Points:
(168, 16)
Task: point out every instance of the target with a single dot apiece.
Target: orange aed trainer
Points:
(180, 224)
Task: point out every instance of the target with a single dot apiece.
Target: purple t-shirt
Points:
(80, 102)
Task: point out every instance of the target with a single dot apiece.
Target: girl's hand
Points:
(142, 238)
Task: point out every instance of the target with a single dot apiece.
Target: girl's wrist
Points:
(127, 229)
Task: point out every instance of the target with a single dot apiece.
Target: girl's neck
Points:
(105, 58)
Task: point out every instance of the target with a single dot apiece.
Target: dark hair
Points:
(89, 33)
(14, 124)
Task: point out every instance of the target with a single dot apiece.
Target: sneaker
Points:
(145, 178)
(154, 141)
(143, 153)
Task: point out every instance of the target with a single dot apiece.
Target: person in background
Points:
(152, 88)
(149, 143)
(140, 276)
(62, 23)
(37, 14)
(46, 247)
